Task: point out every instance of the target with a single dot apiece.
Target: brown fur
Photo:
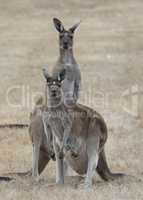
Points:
(86, 117)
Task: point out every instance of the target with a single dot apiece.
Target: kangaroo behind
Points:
(72, 81)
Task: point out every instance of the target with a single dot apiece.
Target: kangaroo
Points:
(83, 143)
(72, 81)
(58, 119)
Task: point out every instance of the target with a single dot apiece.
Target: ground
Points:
(108, 47)
(124, 152)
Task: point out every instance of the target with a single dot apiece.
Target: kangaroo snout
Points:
(65, 44)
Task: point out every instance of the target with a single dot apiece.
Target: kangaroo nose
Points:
(65, 44)
(53, 92)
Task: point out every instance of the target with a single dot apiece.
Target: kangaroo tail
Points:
(103, 169)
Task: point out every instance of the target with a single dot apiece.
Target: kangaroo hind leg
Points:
(93, 156)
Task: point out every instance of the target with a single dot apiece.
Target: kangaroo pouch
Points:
(80, 163)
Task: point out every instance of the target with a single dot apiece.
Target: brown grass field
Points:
(108, 47)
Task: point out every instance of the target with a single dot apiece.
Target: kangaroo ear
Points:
(72, 29)
(61, 75)
(46, 74)
(58, 25)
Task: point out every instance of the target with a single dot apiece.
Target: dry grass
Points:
(124, 150)
(108, 46)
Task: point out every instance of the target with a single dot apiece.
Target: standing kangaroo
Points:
(72, 81)
(58, 119)
(81, 134)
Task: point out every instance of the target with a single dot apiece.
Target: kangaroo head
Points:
(54, 83)
(65, 36)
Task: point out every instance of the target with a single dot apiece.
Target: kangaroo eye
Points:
(49, 83)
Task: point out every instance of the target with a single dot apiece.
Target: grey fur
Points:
(83, 140)
(72, 82)
(86, 121)
(58, 119)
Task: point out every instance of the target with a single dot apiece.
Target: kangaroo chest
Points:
(58, 120)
